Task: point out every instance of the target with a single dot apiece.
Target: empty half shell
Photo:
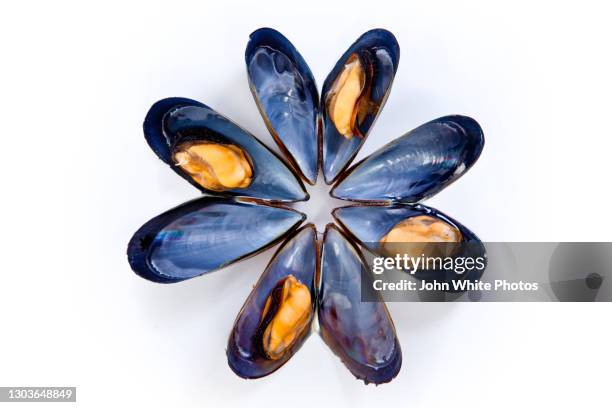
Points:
(286, 95)
(416, 165)
(362, 334)
(204, 235)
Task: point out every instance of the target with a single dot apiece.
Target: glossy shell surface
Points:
(362, 334)
(416, 165)
(286, 94)
(175, 121)
(297, 257)
(204, 235)
(369, 224)
(378, 52)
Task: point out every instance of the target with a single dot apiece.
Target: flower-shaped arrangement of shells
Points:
(247, 190)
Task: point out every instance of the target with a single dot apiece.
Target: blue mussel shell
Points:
(286, 94)
(298, 257)
(380, 51)
(204, 235)
(176, 120)
(362, 334)
(368, 224)
(416, 165)
(231, 224)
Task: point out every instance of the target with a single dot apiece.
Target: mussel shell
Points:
(173, 121)
(383, 53)
(204, 235)
(416, 165)
(298, 256)
(362, 334)
(368, 224)
(286, 94)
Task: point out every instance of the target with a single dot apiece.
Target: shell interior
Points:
(353, 94)
(204, 235)
(362, 334)
(286, 93)
(415, 166)
(276, 317)
(252, 169)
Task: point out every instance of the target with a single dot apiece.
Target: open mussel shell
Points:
(415, 230)
(277, 316)
(362, 334)
(286, 95)
(353, 95)
(416, 165)
(204, 235)
(217, 156)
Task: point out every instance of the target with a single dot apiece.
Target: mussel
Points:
(277, 316)
(206, 234)
(247, 185)
(286, 94)
(362, 334)
(353, 94)
(215, 155)
(416, 165)
(415, 230)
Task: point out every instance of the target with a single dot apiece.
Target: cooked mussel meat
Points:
(413, 230)
(420, 232)
(215, 155)
(348, 100)
(215, 166)
(286, 315)
(276, 318)
(353, 95)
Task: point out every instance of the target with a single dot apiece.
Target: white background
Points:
(76, 80)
